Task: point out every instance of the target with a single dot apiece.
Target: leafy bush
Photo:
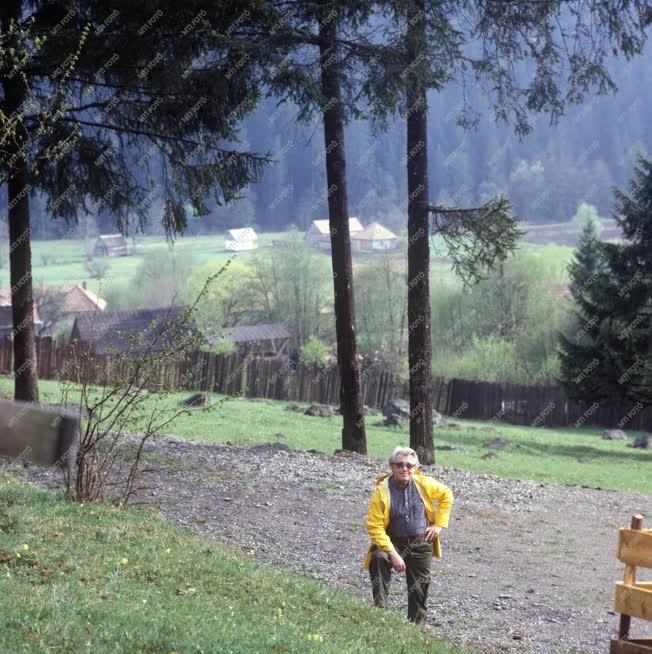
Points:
(313, 353)
(161, 277)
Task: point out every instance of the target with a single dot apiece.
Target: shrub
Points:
(314, 353)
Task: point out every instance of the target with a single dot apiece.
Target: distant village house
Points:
(237, 240)
(319, 233)
(372, 238)
(111, 245)
(56, 304)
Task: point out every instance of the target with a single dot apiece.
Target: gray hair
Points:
(405, 451)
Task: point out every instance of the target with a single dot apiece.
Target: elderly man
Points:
(407, 512)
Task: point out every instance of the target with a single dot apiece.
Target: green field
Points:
(99, 578)
(62, 261)
(572, 456)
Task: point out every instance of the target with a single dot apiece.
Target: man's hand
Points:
(431, 533)
(397, 562)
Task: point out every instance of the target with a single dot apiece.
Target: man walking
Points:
(406, 514)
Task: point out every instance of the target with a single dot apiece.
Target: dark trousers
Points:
(418, 559)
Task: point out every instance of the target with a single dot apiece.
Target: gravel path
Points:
(527, 567)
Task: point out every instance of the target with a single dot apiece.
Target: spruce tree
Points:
(609, 356)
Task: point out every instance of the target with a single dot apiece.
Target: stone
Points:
(488, 455)
(614, 435)
(642, 442)
(198, 399)
(398, 407)
(452, 448)
(319, 410)
(293, 406)
(393, 420)
(437, 419)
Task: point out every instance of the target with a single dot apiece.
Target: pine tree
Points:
(588, 260)
(610, 354)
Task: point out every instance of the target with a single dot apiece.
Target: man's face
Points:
(402, 468)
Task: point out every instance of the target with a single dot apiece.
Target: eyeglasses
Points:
(402, 464)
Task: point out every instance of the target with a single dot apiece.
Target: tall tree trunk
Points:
(419, 345)
(20, 252)
(353, 429)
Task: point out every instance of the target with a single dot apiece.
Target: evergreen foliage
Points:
(610, 353)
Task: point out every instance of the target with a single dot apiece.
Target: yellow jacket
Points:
(437, 498)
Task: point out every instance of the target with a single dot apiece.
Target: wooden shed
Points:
(236, 240)
(111, 245)
(269, 339)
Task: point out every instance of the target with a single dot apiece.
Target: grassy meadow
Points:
(569, 455)
(100, 578)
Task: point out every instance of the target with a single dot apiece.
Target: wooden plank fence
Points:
(276, 379)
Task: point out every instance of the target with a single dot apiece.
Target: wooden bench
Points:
(633, 600)
(34, 433)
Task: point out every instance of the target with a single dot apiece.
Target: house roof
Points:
(113, 329)
(243, 234)
(373, 232)
(69, 298)
(248, 333)
(324, 228)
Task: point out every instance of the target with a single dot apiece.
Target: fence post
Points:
(630, 579)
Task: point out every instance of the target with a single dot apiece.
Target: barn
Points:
(111, 245)
(319, 233)
(237, 240)
(372, 238)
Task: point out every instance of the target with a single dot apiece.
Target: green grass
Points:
(540, 454)
(100, 578)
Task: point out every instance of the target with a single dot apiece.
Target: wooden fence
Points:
(277, 379)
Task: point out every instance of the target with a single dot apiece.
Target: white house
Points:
(372, 238)
(236, 240)
(319, 233)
